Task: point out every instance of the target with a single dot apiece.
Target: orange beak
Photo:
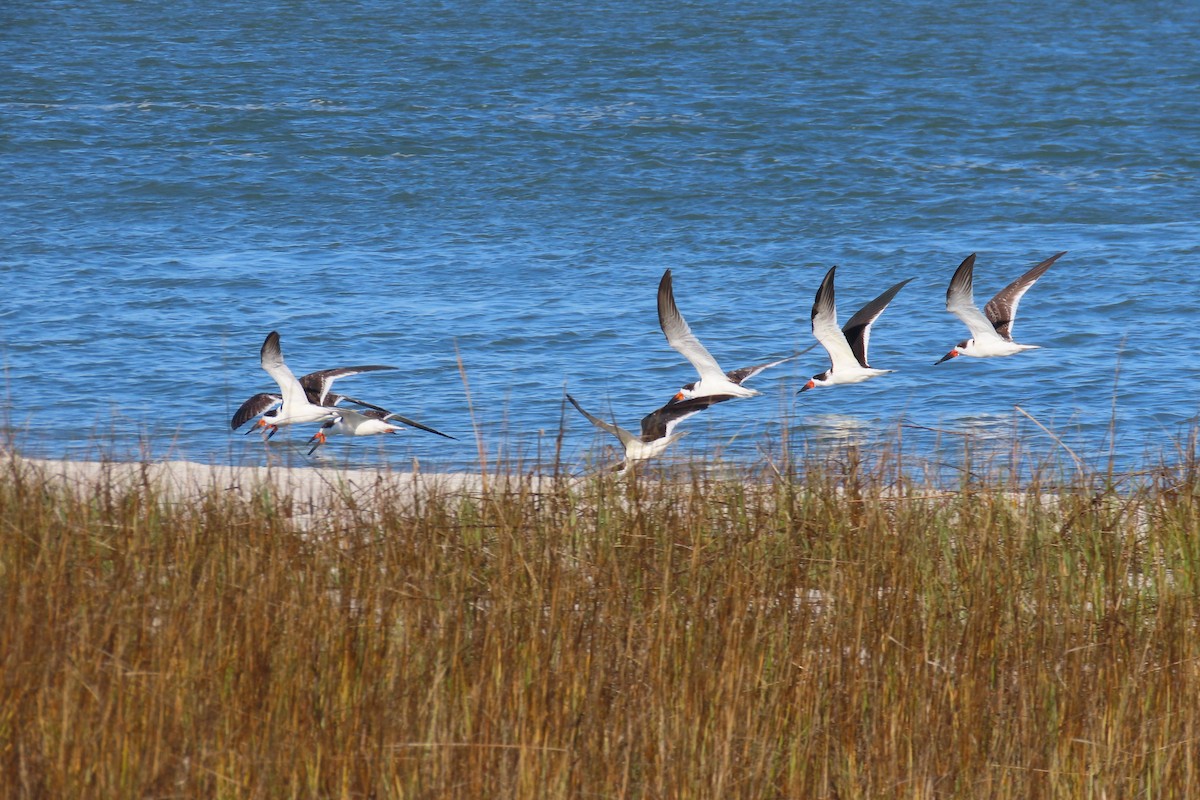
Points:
(947, 357)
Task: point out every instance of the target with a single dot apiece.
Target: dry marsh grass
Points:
(829, 631)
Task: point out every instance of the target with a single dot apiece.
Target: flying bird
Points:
(991, 330)
(316, 387)
(714, 382)
(847, 346)
(349, 422)
(295, 405)
(657, 428)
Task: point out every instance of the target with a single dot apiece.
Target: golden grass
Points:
(843, 634)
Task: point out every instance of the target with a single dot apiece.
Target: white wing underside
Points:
(691, 349)
(289, 386)
(981, 328)
(825, 328)
(681, 338)
(670, 429)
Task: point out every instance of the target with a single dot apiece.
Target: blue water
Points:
(504, 183)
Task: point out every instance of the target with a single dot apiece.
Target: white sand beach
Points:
(183, 481)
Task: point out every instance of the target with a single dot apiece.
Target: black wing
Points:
(1001, 310)
(660, 422)
(258, 404)
(739, 376)
(318, 383)
(406, 421)
(334, 399)
(858, 328)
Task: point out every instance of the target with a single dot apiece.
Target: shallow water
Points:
(504, 184)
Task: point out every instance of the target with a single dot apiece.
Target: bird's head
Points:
(686, 392)
(815, 381)
(958, 349)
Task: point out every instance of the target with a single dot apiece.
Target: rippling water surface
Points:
(504, 183)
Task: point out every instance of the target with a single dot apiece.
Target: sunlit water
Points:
(501, 185)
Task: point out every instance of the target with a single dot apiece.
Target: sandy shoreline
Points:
(188, 480)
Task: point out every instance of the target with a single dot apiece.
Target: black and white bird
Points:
(373, 421)
(714, 382)
(316, 388)
(307, 399)
(991, 329)
(847, 346)
(658, 428)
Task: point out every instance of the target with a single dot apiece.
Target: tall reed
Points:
(824, 629)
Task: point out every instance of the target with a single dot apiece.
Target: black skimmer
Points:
(349, 422)
(714, 382)
(316, 388)
(847, 346)
(297, 403)
(991, 330)
(657, 428)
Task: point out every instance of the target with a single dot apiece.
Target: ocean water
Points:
(485, 196)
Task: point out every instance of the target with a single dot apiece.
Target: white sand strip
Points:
(183, 481)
